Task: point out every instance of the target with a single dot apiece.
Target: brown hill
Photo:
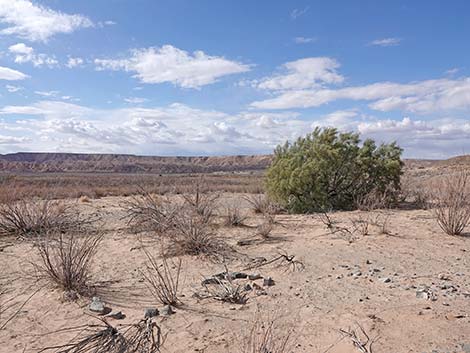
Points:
(121, 163)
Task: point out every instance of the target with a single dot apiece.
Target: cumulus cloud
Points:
(180, 129)
(421, 97)
(386, 42)
(11, 75)
(34, 22)
(302, 74)
(12, 140)
(24, 54)
(170, 64)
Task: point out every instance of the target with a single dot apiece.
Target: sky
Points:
(206, 77)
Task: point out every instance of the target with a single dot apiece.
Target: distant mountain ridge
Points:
(29, 162)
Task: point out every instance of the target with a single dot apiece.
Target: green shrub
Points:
(330, 170)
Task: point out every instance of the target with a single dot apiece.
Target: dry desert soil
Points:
(408, 290)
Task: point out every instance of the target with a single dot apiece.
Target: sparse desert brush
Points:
(260, 203)
(27, 218)
(142, 337)
(65, 260)
(267, 335)
(451, 202)
(163, 279)
(84, 199)
(234, 217)
(191, 236)
(150, 212)
(203, 202)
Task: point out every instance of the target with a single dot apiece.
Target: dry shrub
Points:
(234, 217)
(202, 201)
(66, 260)
(260, 203)
(225, 290)
(360, 223)
(163, 279)
(28, 218)
(267, 336)
(415, 192)
(451, 205)
(150, 212)
(191, 236)
(142, 337)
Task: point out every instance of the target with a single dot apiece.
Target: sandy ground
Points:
(371, 282)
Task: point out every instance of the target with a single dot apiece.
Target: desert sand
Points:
(408, 289)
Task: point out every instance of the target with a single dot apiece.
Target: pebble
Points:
(385, 280)
(268, 281)
(167, 310)
(150, 312)
(254, 276)
(97, 305)
(118, 315)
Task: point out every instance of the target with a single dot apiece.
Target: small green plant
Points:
(328, 170)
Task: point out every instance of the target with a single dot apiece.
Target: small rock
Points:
(150, 312)
(357, 274)
(254, 276)
(268, 281)
(118, 315)
(238, 275)
(248, 287)
(167, 310)
(385, 280)
(368, 262)
(443, 276)
(97, 305)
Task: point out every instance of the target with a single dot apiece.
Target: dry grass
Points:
(234, 217)
(261, 204)
(203, 202)
(142, 337)
(266, 336)
(66, 260)
(225, 290)
(191, 236)
(28, 218)
(451, 203)
(150, 212)
(163, 279)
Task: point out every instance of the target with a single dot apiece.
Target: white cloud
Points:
(421, 97)
(386, 42)
(302, 74)
(12, 140)
(11, 75)
(24, 54)
(34, 22)
(304, 40)
(452, 71)
(47, 93)
(170, 64)
(179, 129)
(74, 62)
(296, 13)
(13, 89)
(135, 100)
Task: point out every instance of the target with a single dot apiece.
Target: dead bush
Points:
(234, 217)
(225, 290)
(66, 260)
(150, 212)
(191, 236)
(451, 203)
(162, 279)
(202, 202)
(262, 204)
(29, 218)
(267, 336)
(142, 337)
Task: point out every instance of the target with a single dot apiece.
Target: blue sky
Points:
(232, 77)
